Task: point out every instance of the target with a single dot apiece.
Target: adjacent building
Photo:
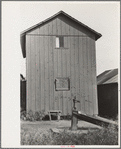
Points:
(108, 93)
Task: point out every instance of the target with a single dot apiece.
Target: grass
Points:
(104, 136)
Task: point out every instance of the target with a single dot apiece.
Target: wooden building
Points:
(108, 93)
(60, 64)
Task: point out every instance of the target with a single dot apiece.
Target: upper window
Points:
(59, 42)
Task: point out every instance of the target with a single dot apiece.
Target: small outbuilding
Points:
(60, 65)
(108, 93)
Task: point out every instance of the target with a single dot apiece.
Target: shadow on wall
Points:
(22, 92)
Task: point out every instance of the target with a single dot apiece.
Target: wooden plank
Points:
(84, 86)
(54, 27)
(77, 74)
(74, 66)
(68, 67)
(64, 74)
(67, 29)
(77, 67)
(69, 75)
(67, 59)
(64, 67)
(94, 77)
(46, 74)
(95, 120)
(33, 82)
(37, 74)
(58, 27)
(89, 77)
(52, 72)
(51, 67)
(54, 60)
(72, 69)
(87, 86)
(63, 28)
(28, 84)
(55, 63)
(55, 76)
(81, 68)
(36, 70)
(50, 28)
(85, 75)
(60, 93)
(41, 31)
(75, 28)
(45, 29)
(71, 64)
(64, 71)
(42, 75)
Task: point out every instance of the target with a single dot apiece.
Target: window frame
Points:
(60, 40)
(62, 89)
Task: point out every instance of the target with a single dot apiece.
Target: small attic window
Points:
(59, 41)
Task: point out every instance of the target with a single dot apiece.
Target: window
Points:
(59, 41)
(62, 84)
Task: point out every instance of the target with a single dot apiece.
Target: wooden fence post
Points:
(74, 121)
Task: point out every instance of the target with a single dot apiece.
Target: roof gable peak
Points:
(97, 35)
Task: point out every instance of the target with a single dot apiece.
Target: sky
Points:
(103, 17)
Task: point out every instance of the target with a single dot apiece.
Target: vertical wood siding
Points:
(45, 63)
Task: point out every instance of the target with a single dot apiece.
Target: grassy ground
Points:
(33, 134)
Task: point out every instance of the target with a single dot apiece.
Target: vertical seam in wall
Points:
(61, 97)
(74, 64)
(95, 78)
(26, 63)
(83, 75)
(92, 76)
(70, 68)
(30, 76)
(87, 76)
(79, 71)
(66, 69)
(35, 69)
(67, 52)
(53, 67)
(44, 67)
(49, 74)
(55, 101)
(39, 72)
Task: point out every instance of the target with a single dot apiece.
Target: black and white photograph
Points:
(61, 65)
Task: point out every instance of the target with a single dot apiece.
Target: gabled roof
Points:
(109, 76)
(22, 35)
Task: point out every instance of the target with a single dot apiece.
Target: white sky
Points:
(103, 17)
(17, 16)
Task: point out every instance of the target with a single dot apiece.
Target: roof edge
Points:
(98, 35)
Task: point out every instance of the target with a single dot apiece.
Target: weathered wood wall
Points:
(45, 63)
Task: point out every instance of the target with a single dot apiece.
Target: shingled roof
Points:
(109, 76)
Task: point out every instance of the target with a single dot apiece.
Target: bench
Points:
(57, 112)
